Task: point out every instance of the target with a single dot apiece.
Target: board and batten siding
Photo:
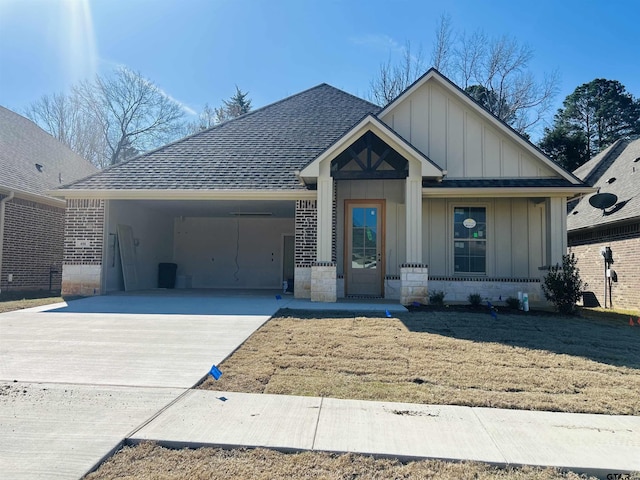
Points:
(515, 236)
(458, 139)
(393, 192)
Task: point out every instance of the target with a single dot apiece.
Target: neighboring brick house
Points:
(616, 170)
(335, 194)
(32, 163)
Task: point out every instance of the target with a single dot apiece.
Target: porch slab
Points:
(355, 305)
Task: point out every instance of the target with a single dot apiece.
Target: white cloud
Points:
(379, 42)
(185, 108)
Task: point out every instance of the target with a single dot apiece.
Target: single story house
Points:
(615, 171)
(335, 195)
(32, 163)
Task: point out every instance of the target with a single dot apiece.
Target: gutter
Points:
(2, 204)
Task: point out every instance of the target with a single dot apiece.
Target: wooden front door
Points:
(364, 247)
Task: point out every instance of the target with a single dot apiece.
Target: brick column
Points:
(414, 283)
(83, 242)
(305, 250)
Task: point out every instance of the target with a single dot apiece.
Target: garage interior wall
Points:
(153, 236)
(234, 252)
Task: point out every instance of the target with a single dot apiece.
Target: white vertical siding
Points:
(473, 147)
(515, 236)
(454, 135)
(502, 238)
(420, 120)
(435, 246)
(438, 128)
(491, 154)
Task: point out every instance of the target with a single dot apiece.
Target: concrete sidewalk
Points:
(595, 444)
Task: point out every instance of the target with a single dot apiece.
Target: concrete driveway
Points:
(76, 379)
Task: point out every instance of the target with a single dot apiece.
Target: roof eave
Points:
(447, 192)
(34, 197)
(201, 194)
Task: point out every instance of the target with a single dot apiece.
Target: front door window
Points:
(364, 239)
(364, 245)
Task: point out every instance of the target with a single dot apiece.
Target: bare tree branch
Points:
(444, 43)
(63, 117)
(392, 80)
(495, 72)
(135, 115)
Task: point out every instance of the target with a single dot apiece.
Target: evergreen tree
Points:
(594, 116)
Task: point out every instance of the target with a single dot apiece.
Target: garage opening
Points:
(219, 244)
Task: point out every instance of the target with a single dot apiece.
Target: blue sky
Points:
(197, 50)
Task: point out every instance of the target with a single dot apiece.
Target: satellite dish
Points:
(603, 200)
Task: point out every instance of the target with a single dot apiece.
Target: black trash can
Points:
(167, 275)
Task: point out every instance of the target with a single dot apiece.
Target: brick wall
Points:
(33, 239)
(625, 245)
(306, 232)
(84, 231)
(334, 223)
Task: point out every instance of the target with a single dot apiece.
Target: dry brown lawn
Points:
(148, 461)
(10, 303)
(517, 361)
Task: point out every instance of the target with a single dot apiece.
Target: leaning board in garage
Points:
(128, 257)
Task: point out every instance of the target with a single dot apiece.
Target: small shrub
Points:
(474, 299)
(513, 303)
(563, 286)
(436, 297)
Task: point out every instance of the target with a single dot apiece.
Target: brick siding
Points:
(334, 223)
(33, 237)
(306, 232)
(83, 233)
(625, 245)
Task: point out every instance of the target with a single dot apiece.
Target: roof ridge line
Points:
(607, 158)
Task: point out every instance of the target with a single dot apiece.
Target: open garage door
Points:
(216, 244)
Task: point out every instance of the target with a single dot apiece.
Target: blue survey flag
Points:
(215, 373)
(492, 311)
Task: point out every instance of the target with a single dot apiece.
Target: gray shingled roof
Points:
(260, 150)
(591, 171)
(23, 145)
(623, 160)
(501, 182)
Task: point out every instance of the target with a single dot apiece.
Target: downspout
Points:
(6, 199)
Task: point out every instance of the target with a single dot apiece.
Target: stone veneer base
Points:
(493, 290)
(81, 280)
(323, 283)
(414, 284)
(302, 282)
